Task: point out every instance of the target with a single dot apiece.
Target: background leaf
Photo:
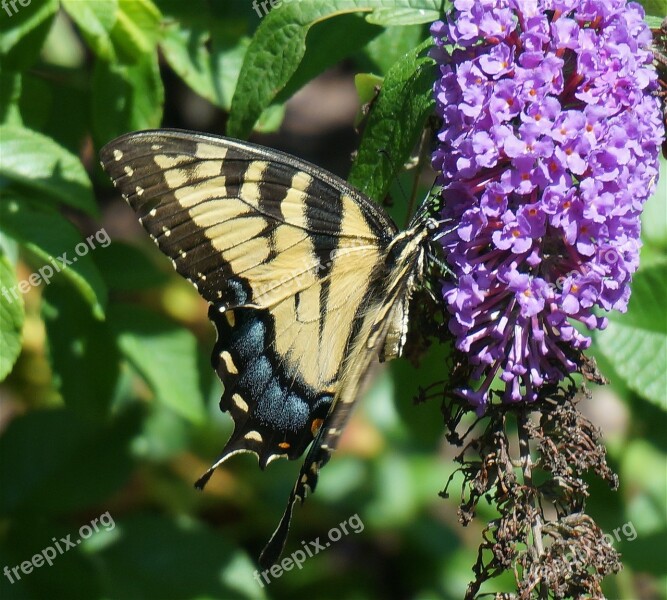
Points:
(636, 343)
(11, 317)
(396, 120)
(164, 354)
(136, 30)
(160, 557)
(42, 166)
(82, 353)
(48, 235)
(96, 21)
(23, 30)
(75, 464)
(267, 71)
(126, 97)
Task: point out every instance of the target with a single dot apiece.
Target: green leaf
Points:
(23, 30)
(423, 419)
(324, 50)
(96, 21)
(653, 22)
(165, 354)
(53, 461)
(54, 241)
(59, 109)
(126, 268)
(390, 46)
(278, 47)
(157, 557)
(636, 343)
(657, 8)
(642, 469)
(396, 120)
(403, 16)
(210, 73)
(12, 315)
(126, 98)
(654, 216)
(25, 534)
(41, 165)
(82, 352)
(136, 31)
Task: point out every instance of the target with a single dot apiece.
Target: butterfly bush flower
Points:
(547, 153)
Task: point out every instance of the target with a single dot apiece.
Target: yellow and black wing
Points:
(294, 264)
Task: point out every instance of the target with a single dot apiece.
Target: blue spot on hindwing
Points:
(281, 410)
(248, 340)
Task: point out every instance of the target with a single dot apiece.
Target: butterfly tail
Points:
(317, 457)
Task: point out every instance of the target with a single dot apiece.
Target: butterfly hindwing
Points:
(273, 416)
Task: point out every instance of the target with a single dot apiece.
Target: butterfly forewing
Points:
(294, 263)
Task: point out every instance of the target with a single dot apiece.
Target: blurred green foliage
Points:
(108, 402)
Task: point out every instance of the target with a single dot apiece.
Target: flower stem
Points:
(527, 470)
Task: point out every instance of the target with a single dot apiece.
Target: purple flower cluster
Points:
(548, 150)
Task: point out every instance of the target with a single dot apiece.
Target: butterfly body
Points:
(308, 282)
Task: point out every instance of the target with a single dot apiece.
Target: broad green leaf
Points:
(203, 60)
(23, 30)
(395, 123)
(421, 420)
(126, 268)
(29, 532)
(126, 98)
(394, 42)
(656, 8)
(41, 165)
(82, 353)
(158, 557)
(654, 216)
(12, 315)
(164, 354)
(165, 435)
(53, 461)
(58, 109)
(95, 20)
(324, 50)
(59, 248)
(636, 342)
(35, 105)
(187, 53)
(136, 30)
(403, 16)
(205, 45)
(642, 469)
(654, 22)
(278, 47)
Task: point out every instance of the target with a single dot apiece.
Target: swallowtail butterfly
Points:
(307, 279)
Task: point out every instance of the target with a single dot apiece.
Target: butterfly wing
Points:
(285, 253)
